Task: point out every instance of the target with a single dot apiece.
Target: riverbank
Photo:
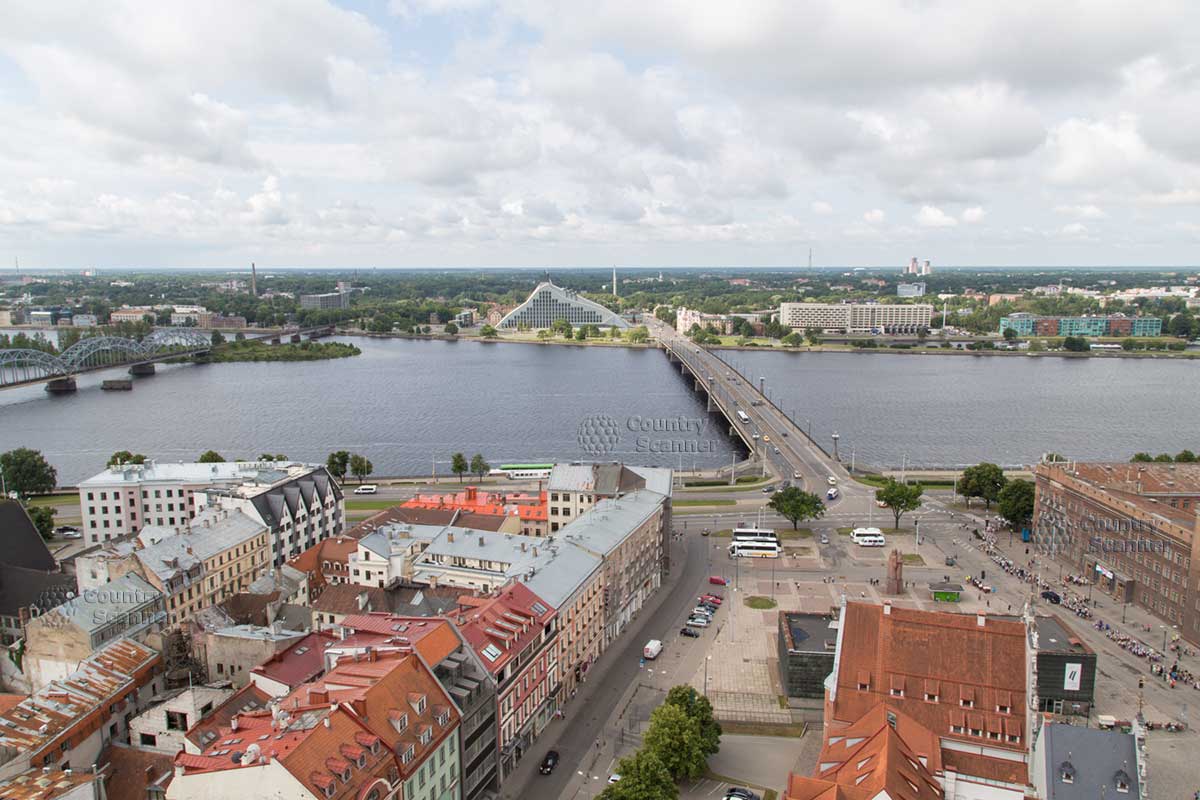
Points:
(261, 351)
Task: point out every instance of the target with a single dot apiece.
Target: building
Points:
(1003, 297)
(189, 315)
(301, 504)
(806, 646)
(1129, 528)
(55, 784)
(1113, 325)
(687, 318)
(514, 635)
(916, 289)
(1074, 762)
(163, 725)
(529, 510)
(344, 599)
(84, 320)
(465, 318)
(326, 562)
(134, 774)
(856, 317)
(391, 554)
(68, 722)
(206, 729)
(328, 300)
(216, 555)
(548, 304)
(132, 314)
(57, 640)
(961, 719)
(30, 580)
(298, 663)
(231, 652)
(1066, 669)
(574, 488)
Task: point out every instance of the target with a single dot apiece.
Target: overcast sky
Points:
(566, 133)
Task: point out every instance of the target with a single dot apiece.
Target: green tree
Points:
(793, 339)
(459, 465)
(675, 739)
(337, 464)
(813, 335)
(698, 707)
(581, 334)
(643, 777)
(1010, 334)
(1129, 344)
(479, 467)
(360, 467)
(1076, 344)
(27, 472)
(1141, 458)
(795, 505)
(488, 332)
(639, 335)
(1185, 457)
(42, 518)
(545, 334)
(450, 328)
(210, 457)
(125, 457)
(900, 497)
(217, 339)
(1015, 502)
(984, 481)
(1164, 458)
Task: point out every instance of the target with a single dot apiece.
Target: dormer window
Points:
(930, 698)
(1066, 772)
(425, 736)
(967, 703)
(407, 756)
(1004, 709)
(399, 721)
(1121, 781)
(329, 789)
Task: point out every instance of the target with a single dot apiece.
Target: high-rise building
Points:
(856, 317)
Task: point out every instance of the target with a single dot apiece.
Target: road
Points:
(576, 736)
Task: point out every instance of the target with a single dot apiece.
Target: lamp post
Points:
(706, 660)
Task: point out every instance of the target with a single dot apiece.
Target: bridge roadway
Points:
(789, 452)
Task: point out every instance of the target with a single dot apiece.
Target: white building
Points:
(161, 727)
(301, 504)
(856, 317)
(916, 289)
(385, 556)
(548, 303)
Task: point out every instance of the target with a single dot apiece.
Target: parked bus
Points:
(754, 550)
(867, 537)
(519, 472)
(754, 535)
(742, 416)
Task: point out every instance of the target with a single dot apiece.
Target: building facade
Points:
(1113, 325)
(325, 301)
(857, 317)
(548, 304)
(916, 289)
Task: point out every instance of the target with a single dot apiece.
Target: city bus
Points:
(754, 550)
(519, 472)
(742, 416)
(742, 534)
(867, 537)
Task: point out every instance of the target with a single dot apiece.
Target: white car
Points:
(697, 622)
(832, 481)
(701, 611)
(369, 488)
(614, 778)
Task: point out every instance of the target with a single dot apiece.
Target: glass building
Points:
(549, 303)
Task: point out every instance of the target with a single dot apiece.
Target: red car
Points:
(715, 599)
(717, 580)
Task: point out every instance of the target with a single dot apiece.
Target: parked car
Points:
(652, 649)
(697, 622)
(738, 793)
(1052, 596)
(824, 538)
(614, 778)
(688, 632)
(68, 532)
(549, 762)
(701, 611)
(712, 598)
(717, 580)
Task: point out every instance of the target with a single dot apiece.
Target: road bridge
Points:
(27, 366)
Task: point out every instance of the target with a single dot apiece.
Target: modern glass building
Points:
(1115, 325)
(549, 303)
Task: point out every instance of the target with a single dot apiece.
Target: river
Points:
(407, 404)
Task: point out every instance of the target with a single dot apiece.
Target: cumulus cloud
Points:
(933, 217)
(1086, 211)
(973, 214)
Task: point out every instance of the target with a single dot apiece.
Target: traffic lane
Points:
(587, 715)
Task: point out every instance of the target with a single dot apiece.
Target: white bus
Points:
(867, 537)
(742, 416)
(755, 535)
(754, 550)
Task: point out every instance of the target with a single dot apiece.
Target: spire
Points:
(614, 283)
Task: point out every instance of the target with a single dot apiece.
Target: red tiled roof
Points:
(248, 699)
(502, 626)
(302, 661)
(433, 638)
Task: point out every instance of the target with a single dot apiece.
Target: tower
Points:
(253, 280)
(614, 281)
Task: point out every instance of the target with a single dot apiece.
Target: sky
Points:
(667, 133)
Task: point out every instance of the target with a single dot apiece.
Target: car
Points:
(717, 580)
(68, 532)
(705, 532)
(368, 488)
(1052, 596)
(712, 598)
(766, 490)
(832, 481)
(697, 622)
(832, 494)
(824, 538)
(72, 535)
(738, 793)
(614, 778)
(881, 504)
(784, 433)
(776, 449)
(701, 611)
(549, 762)
(754, 436)
(709, 607)
(796, 474)
(688, 632)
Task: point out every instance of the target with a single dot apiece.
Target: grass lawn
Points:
(743, 486)
(912, 558)
(53, 500)
(879, 481)
(759, 729)
(706, 502)
(760, 603)
(370, 505)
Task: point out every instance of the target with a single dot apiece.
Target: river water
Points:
(407, 404)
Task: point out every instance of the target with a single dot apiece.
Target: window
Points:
(148, 740)
(930, 697)
(407, 756)
(1004, 709)
(976, 732)
(177, 721)
(967, 703)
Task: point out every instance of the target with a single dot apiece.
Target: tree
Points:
(1015, 503)
(450, 329)
(983, 481)
(581, 334)
(459, 465)
(675, 739)
(545, 334)
(639, 335)
(643, 777)
(1185, 457)
(900, 497)
(337, 464)
(360, 467)
(1141, 458)
(479, 466)
(27, 472)
(210, 457)
(1164, 458)
(793, 339)
(125, 457)
(42, 518)
(488, 332)
(1076, 344)
(1010, 334)
(698, 707)
(813, 335)
(795, 505)
(217, 339)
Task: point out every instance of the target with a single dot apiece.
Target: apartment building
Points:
(686, 318)
(1130, 528)
(857, 317)
(514, 634)
(132, 314)
(300, 503)
(67, 723)
(325, 300)
(1024, 324)
(574, 488)
(163, 726)
(520, 512)
(388, 555)
(216, 555)
(31, 579)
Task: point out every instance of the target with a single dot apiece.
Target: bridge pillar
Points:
(143, 369)
(295, 338)
(682, 368)
(710, 403)
(61, 385)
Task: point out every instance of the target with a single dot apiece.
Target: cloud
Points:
(1086, 211)
(933, 217)
(821, 207)
(973, 214)
(1074, 230)
(874, 216)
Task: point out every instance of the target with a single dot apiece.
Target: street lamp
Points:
(706, 660)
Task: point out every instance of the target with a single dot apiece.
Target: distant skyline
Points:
(540, 134)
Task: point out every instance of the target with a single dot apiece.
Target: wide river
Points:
(408, 405)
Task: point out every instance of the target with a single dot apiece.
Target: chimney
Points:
(887, 608)
(450, 537)
(535, 552)
(522, 547)
(233, 723)
(481, 541)
(327, 725)
(980, 618)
